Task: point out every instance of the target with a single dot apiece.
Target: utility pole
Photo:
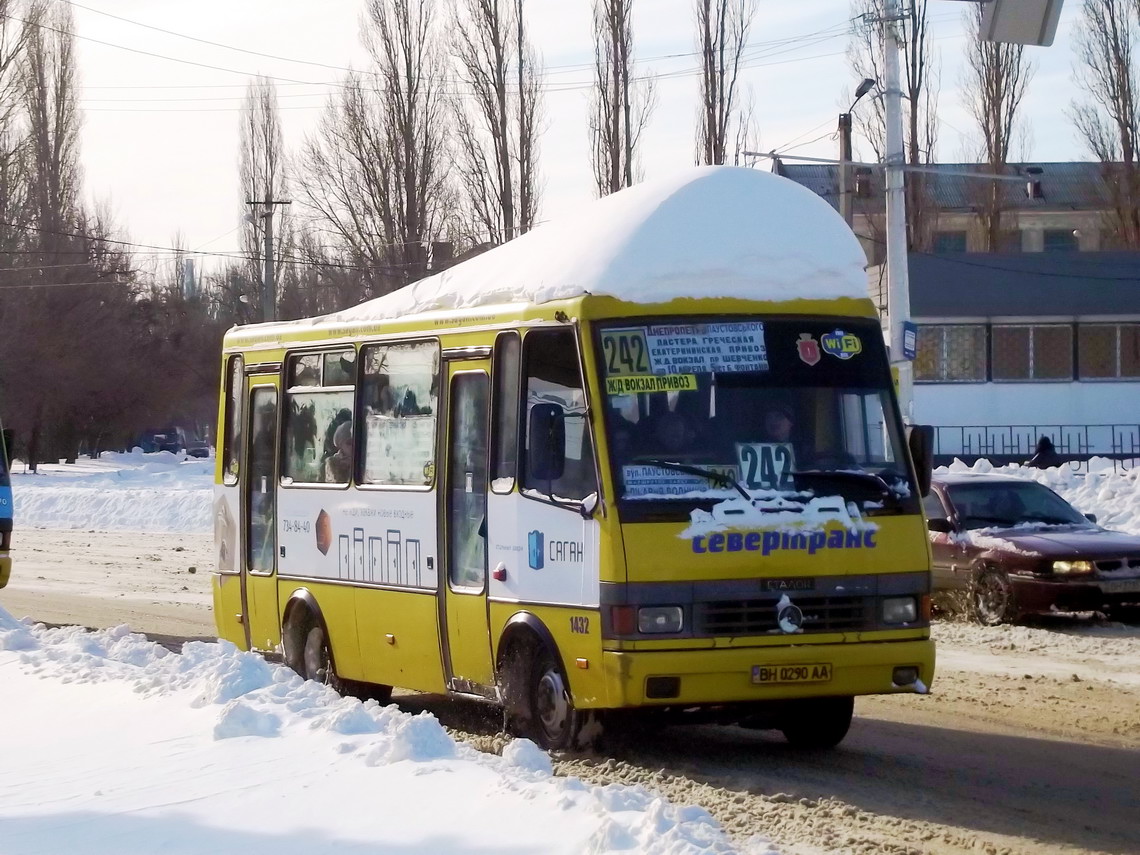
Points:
(865, 86)
(845, 167)
(898, 280)
(268, 284)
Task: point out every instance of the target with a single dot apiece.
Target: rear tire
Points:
(316, 656)
(992, 601)
(818, 723)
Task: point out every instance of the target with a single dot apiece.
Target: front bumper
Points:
(1077, 595)
(709, 677)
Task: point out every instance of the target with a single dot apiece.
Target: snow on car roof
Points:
(713, 231)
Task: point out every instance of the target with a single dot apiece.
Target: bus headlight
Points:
(1072, 568)
(900, 610)
(660, 619)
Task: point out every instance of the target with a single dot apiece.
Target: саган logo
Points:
(535, 551)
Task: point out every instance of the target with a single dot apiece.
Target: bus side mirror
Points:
(920, 442)
(546, 450)
(940, 524)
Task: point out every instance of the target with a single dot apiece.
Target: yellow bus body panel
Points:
(399, 639)
(657, 552)
(226, 591)
(725, 676)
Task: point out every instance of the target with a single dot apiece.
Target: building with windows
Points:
(1046, 207)
(1040, 339)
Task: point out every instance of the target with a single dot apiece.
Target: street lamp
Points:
(845, 149)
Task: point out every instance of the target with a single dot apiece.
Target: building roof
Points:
(1063, 185)
(975, 284)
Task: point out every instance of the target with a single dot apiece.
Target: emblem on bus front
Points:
(536, 552)
(789, 617)
(808, 348)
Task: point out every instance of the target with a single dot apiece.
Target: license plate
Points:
(817, 672)
(1120, 586)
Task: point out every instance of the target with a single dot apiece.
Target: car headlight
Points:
(1072, 568)
(660, 619)
(900, 610)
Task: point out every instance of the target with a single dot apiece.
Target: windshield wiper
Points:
(718, 478)
(845, 475)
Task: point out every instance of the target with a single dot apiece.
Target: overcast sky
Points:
(160, 136)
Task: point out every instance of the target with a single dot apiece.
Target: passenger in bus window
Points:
(778, 423)
(338, 466)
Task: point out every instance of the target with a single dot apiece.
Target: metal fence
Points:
(1001, 444)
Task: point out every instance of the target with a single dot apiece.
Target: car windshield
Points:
(699, 412)
(1004, 505)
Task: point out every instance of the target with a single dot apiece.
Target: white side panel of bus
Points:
(551, 554)
(369, 536)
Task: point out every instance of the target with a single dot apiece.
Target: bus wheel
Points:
(317, 658)
(819, 722)
(547, 717)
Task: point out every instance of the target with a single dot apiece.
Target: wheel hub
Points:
(552, 702)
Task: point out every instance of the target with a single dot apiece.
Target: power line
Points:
(207, 41)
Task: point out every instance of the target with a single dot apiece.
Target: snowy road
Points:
(1029, 743)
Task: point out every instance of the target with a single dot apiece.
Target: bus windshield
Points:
(699, 411)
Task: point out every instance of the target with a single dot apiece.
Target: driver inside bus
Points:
(778, 422)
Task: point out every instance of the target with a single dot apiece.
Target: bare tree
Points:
(1103, 42)
(497, 127)
(261, 173)
(722, 34)
(920, 95)
(620, 107)
(52, 115)
(374, 175)
(993, 87)
(13, 130)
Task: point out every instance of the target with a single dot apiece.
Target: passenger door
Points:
(463, 500)
(259, 562)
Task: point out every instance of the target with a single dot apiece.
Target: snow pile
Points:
(1113, 496)
(711, 231)
(137, 749)
(117, 492)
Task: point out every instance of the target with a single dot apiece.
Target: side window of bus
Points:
(399, 402)
(554, 376)
(505, 427)
(319, 440)
(235, 390)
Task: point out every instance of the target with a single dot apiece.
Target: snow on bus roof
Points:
(713, 231)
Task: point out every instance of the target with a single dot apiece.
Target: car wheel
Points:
(992, 600)
(819, 723)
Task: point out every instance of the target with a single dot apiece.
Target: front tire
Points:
(818, 723)
(543, 708)
(992, 601)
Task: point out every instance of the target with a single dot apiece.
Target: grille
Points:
(758, 617)
(1119, 565)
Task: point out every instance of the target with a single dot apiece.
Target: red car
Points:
(1015, 547)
